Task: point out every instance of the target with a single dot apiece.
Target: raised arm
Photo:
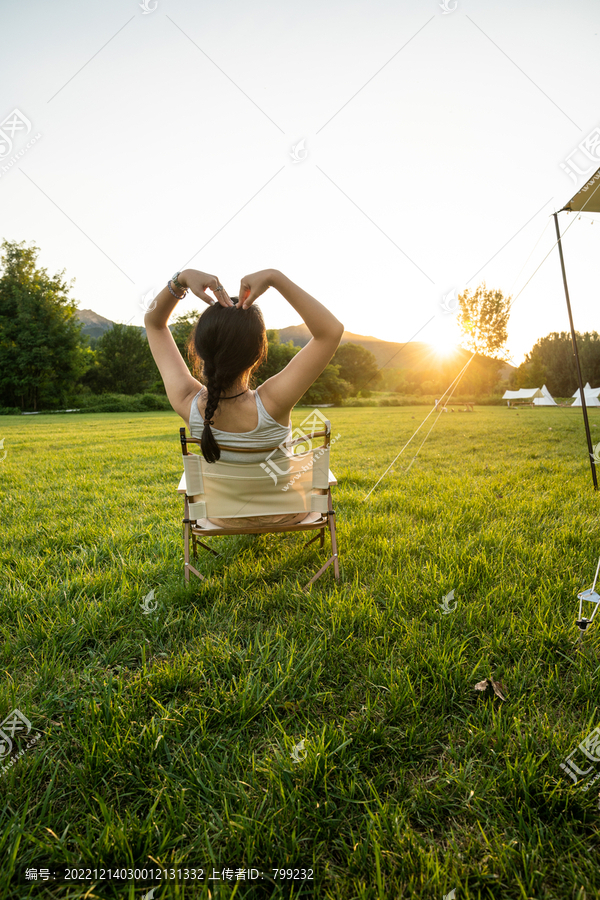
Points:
(180, 384)
(281, 392)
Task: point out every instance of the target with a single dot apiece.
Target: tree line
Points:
(46, 362)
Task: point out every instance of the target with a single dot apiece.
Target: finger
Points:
(221, 294)
(246, 298)
(226, 298)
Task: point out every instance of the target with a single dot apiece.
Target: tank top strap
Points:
(195, 416)
(265, 418)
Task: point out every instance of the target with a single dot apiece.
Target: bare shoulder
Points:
(185, 408)
(277, 409)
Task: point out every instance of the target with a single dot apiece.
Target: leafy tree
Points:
(181, 329)
(43, 354)
(483, 319)
(123, 363)
(278, 357)
(328, 388)
(357, 366)
(551, 361)
(531, 373)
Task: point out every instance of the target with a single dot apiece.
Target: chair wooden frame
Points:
(326, 518)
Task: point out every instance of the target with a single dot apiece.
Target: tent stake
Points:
(576, 352)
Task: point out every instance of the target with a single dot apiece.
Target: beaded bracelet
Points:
(173, 292)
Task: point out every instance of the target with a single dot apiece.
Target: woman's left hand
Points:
(200, 282)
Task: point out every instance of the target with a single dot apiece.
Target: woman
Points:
(230, 340)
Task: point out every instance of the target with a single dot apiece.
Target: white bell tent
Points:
(591, 396)
(546, 399)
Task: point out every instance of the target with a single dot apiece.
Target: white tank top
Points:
(268, 433)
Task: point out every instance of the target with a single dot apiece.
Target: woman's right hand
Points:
(199, 282)
(252, 286)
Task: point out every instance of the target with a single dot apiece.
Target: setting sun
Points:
(443, 346)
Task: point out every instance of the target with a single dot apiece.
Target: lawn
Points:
(244, 724)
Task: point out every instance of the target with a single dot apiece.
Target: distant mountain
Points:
(414, 355)
(94, 325)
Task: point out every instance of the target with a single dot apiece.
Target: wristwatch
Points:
(176, 283)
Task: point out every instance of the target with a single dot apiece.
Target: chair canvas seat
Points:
(238, 490)
(286, 483)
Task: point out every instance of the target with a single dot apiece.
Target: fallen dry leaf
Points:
(497, 687)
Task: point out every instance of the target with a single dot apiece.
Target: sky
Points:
(383, 155)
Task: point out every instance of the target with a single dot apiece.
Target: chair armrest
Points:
(332, 478)
(181, 487)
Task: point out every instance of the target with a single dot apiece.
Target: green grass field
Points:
(167, 738)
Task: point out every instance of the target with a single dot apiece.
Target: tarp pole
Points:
(576, 352)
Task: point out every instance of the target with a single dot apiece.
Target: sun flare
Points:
(443, 346)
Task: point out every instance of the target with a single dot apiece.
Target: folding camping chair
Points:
(285, 483)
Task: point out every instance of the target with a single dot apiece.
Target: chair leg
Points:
(186, 555)
(334, 550)
(189, 568)
(186, 550)
(206, 547)
(332, 559)
(333, 533)
(316, 538)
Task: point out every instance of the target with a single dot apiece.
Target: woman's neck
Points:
(239, 387)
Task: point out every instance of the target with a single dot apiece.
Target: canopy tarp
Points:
(546, 400)
(523, 394)
(587, 197)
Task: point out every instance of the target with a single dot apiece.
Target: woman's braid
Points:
(214, 389)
